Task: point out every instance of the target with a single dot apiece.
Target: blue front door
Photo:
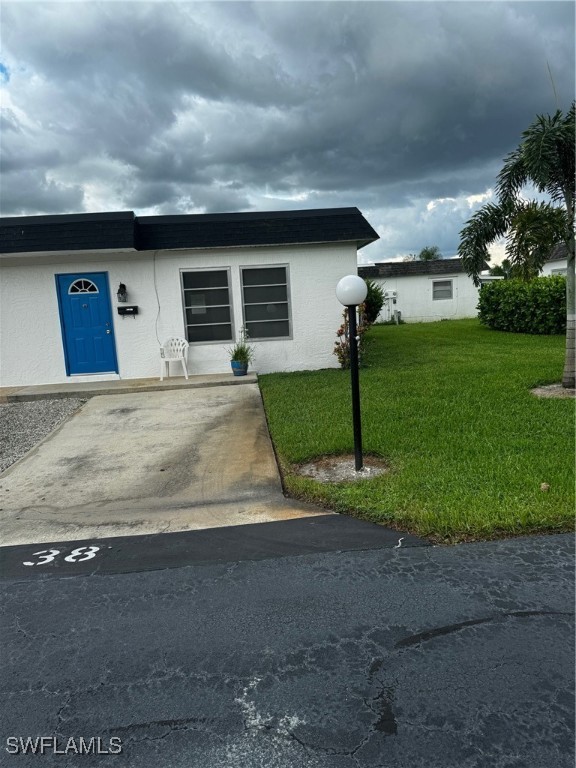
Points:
(87, 330)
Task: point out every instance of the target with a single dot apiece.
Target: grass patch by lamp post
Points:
(473, 454)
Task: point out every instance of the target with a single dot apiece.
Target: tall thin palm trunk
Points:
(569, 374)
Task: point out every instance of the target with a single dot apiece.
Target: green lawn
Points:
(448, 405)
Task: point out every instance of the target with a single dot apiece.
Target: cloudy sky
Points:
(403, 109)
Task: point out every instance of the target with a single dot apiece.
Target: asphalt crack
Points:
(429, 634)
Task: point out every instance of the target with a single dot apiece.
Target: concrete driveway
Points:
(148, 462)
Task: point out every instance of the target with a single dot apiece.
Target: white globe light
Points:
(351, 290)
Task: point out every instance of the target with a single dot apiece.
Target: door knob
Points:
(108, 331)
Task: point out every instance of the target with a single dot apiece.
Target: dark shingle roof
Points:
(267, 228)
(404, 268)
(72, 232)
(558, 252)
(97, 231)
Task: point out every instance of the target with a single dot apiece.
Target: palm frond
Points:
(487, 225)
(544, 158)
(512, 177)
(535, 228)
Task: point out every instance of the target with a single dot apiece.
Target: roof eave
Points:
(58, 253)
(358, 243)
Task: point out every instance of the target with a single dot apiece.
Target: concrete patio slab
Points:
(118, 386)
(148, 462)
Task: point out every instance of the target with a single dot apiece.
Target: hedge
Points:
(537, 306)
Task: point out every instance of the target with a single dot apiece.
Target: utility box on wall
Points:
(128, 311)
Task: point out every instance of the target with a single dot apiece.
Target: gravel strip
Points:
(554, 390)
(339, 469)
(23, 425)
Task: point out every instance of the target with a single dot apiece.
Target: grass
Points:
(448, 406)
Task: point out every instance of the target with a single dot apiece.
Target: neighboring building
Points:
(201, 277)
(424, 291)
(557, 262)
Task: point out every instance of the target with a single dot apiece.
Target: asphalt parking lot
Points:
(386, 657)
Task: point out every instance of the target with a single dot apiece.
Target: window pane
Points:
(206, 297)
(209, 315)
(266, 311)
(209, 333)
(264, 276)
(207, 305)
(266, 302)
(83, 286)
(275, 329)
(266, 293)
(442, 289)
(216, 279)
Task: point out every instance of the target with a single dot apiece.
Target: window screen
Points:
(207, 305)
(266, 302)
(441, 289)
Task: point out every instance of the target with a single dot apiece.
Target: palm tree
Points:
(502, 270)
(545, 159)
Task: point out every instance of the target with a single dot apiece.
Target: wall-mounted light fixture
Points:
(122, 294)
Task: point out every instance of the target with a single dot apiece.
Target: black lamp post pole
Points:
(355, 388)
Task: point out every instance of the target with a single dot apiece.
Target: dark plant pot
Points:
(239, 368)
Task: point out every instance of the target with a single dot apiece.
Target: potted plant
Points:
(241, 354)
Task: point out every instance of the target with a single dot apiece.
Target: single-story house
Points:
(91, 297)
(424, 291)
(557, 262)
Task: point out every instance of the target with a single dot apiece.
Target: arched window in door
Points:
(83, 286)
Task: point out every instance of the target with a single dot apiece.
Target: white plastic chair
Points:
(172, 350)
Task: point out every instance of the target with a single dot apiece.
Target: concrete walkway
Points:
(142, 462)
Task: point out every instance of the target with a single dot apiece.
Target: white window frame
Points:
(444, 280)
(288, 301)
(183, 290)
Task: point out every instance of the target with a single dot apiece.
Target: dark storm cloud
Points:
(230, 106)
(176, 198)
(31, 190)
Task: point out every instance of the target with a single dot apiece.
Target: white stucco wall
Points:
(558, 264)
(31, 348)
(415, 302)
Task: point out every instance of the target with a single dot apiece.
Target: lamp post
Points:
(351, 291)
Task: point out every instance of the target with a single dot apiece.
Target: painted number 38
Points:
(77, 555)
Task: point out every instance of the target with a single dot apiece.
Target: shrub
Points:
(373, 302)
(342, 343)
(368, 312)
(536, 306)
